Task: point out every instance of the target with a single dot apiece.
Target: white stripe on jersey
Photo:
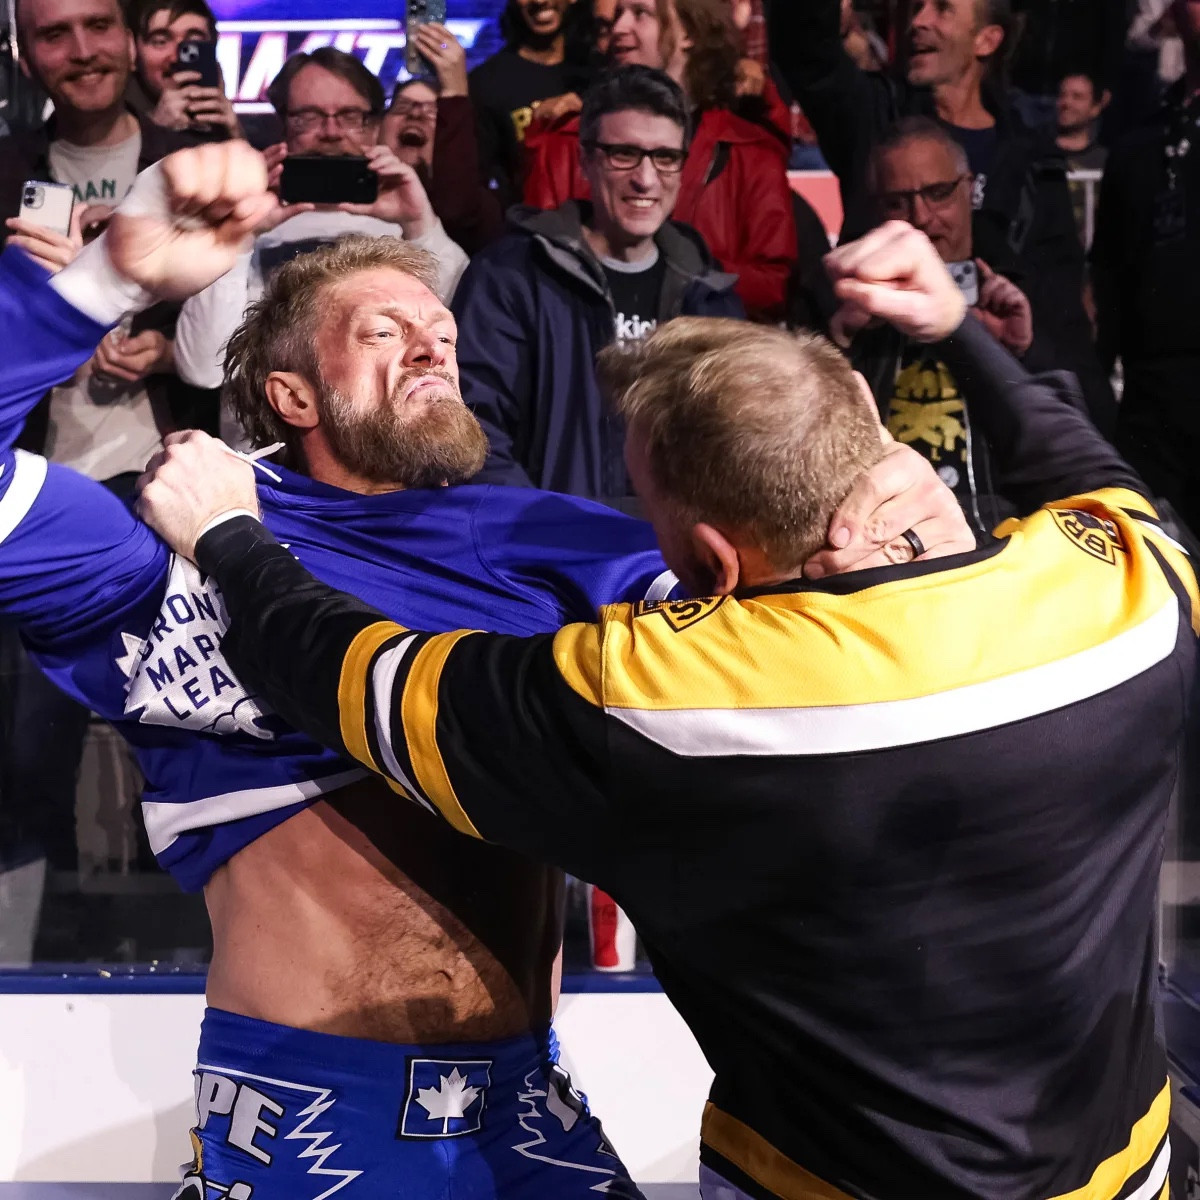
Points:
(1157, 1177)
(383, 681)
(854, 728)
(661, 588)
(166, 821)
(29, 473)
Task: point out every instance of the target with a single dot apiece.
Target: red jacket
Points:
(734, 192)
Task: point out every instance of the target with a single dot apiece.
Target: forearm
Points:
(805, 40)
(470, 210)
(206, 324)
(840, 101)
(289, 634)
(452, 261)
(1045, 449)
(435, 714)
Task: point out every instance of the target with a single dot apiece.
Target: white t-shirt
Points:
(99, 427)
(99, 174)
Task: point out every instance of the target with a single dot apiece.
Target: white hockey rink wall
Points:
(97, 1087)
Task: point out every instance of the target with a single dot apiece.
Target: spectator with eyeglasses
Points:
(330, 104)
(950, 70)
(535, 308)
(919, 174)
(734, 189)
(431, 125)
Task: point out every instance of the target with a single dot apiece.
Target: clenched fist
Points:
(191, 481)
(188, 217)
(894, 275)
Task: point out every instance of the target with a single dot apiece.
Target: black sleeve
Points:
(846, 106)
(1045, 449)
(505, 738)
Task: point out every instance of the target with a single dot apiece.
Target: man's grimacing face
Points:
(390, 405)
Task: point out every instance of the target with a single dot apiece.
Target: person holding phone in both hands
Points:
(177, 82)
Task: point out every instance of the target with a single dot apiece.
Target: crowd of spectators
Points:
(618, 163)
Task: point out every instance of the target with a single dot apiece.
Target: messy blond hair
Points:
(278, 332)
(747, 428)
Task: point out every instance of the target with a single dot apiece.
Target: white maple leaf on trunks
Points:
(449, 1100)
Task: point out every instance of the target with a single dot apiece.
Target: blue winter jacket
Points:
(533, 311)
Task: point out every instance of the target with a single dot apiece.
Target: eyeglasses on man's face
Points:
(935, 195)
(347, 120)
(622, 157)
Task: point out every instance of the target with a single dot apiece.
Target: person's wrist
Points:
(952, 319)
(419, 226)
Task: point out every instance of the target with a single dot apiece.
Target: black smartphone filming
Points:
(327, 179)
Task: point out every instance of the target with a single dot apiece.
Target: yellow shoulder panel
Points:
(1068, 580)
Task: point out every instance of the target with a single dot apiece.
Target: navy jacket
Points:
(533, 311)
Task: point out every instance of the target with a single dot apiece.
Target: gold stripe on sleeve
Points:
(352, 688)
(1109, 1178)
(752, 1154)
(418, 715)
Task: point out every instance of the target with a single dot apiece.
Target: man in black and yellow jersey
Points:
(891, 839)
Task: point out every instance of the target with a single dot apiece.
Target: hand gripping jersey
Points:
(891, 839)
(135, 633)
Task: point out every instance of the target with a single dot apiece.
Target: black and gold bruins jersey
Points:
(891, 840)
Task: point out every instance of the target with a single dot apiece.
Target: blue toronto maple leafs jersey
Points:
(135, 633)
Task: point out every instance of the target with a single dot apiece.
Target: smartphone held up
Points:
(416, 14)
(48, 205)
(199, 57)
(327, 179)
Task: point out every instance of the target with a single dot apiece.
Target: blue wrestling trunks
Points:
(284, 1114)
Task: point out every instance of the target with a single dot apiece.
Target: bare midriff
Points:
(365, 916)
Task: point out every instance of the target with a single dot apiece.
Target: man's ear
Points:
(293, 398)
(23, 63)
(719, 558)
(988, 41)
(867, 397)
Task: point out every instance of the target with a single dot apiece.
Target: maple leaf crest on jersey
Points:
(178, 675)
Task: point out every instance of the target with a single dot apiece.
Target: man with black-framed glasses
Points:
(535, 308)
(330, 104)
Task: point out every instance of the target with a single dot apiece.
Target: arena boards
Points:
(163, 1191)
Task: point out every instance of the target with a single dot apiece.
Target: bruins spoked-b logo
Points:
(680, 614)
(1100, 538)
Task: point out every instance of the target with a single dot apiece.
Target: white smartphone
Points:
(47, 204)
(966, 275)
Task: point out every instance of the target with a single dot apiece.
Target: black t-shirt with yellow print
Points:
(927, 412)
(504, 90)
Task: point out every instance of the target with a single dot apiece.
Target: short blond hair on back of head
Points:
(747, 428)
(278, 332)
